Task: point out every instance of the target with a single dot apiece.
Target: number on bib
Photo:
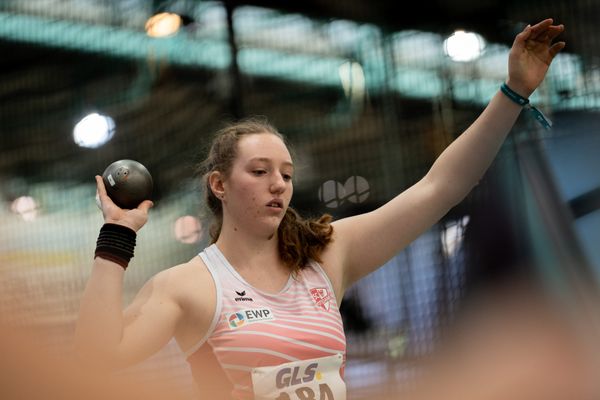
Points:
(306, 393)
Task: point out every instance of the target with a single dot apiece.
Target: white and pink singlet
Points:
(287, 345)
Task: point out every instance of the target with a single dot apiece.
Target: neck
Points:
(246, 250)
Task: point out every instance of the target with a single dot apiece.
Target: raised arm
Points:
(106, 337)
(365, 242)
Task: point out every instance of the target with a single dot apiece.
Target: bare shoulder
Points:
(192, 287)
(188, 281)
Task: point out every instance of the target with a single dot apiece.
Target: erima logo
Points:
(242, 298)
(239, 318)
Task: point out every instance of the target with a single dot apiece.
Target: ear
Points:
(216, 183)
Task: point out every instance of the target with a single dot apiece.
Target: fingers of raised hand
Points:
(100, 186)
(554, 31)
(545, 31)
(102, 198)
(556, 47)
(540, 29)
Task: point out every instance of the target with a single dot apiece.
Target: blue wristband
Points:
(523, 102)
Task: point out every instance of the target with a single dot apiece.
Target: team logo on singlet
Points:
(321, 297)
(249, 316)
(236, 320)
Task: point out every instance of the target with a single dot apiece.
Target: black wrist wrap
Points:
(116, 243)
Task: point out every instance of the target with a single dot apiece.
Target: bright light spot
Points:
(163, 24)
(453, 234)
(26, 207)
(353, 80)
(187, 229)
(94, 130)
(464, 46)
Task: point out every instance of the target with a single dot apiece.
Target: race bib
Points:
(316, 379)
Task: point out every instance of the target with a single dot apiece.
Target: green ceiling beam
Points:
(115, 42)
(180, 49)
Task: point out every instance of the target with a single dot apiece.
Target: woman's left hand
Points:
(531, 54)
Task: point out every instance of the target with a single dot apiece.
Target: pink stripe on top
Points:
(253, 329)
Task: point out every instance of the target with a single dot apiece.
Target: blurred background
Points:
(368, 94)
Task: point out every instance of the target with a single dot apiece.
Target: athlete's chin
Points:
(274, 218)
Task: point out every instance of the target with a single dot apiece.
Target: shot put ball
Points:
(127, 183)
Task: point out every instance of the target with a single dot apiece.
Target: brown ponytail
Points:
(300, 240)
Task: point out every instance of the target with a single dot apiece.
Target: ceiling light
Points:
(464, 46)
(94, 130)
(163, 24)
